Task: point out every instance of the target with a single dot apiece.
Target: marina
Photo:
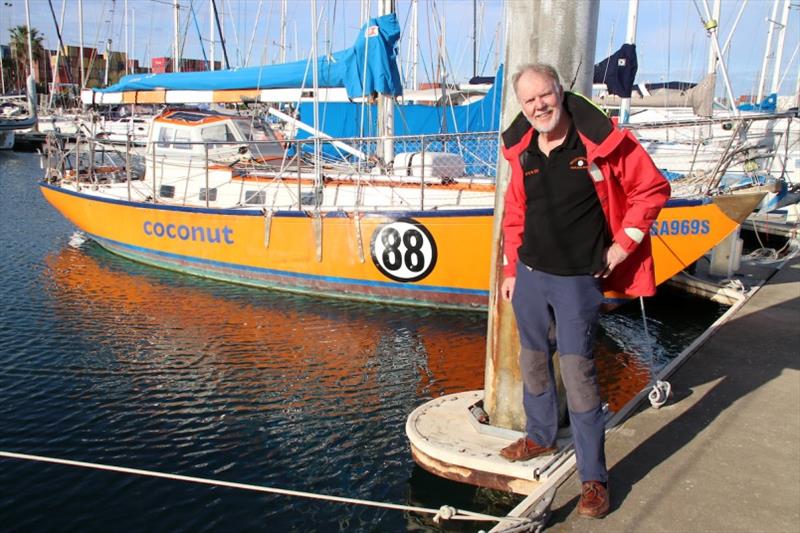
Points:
(146, 368)
(291, 294)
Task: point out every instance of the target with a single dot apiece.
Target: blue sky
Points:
(671, 42)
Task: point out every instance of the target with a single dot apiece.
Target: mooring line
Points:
(446, 512)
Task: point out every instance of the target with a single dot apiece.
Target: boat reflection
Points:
(315, 345)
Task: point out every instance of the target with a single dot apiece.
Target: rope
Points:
(660, 391)
(445, 512)
(764, 254)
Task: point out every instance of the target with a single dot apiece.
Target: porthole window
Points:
(255, 197)
(208, 195)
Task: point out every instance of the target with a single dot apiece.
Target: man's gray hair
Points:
(537, 68)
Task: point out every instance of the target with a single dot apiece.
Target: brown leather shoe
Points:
(594, 500)
(524, 449)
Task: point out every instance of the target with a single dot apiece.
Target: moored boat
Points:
(221, 197)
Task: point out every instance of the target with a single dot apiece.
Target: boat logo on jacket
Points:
(579, 163)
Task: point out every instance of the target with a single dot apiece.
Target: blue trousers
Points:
(572, 305)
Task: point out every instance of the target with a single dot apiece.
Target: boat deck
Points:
(723, 455)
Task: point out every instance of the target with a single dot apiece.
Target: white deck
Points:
(445, 431)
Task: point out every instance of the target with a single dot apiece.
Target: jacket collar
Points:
(592, 124)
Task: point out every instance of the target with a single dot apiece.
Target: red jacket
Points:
(631, 190)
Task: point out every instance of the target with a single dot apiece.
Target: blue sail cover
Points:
(376, 44)
(344, 119)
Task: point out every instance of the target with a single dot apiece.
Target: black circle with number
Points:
(403, 250)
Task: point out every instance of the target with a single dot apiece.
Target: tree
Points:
(18, 42)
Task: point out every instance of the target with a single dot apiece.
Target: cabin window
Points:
(216, 134)
(182, 136)
(165, 136)
(208, 195)
(167, 191)
(311, 198)
(263, 143)
(255, 197)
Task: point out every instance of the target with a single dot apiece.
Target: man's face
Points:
(540, 98)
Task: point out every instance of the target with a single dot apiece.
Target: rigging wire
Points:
(265, 45)
(183, 38)
(199, 35)
(235, 31)
(96, 40)
(253, 34)
(149, 37)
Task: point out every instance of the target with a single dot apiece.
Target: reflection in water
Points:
(314, 343)
(316, 346)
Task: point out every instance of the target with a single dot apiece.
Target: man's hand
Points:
(507, 288)
(614, 256)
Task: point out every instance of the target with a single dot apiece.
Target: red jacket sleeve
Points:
(514, 214)
(646, 191)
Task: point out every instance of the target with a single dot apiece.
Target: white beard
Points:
(550, 125)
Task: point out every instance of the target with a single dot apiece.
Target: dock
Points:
(724, 453)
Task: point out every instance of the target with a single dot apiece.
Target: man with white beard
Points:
(578, 210)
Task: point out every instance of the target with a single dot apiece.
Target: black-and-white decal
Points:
(403, 250)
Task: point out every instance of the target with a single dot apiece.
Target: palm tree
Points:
(18, 41)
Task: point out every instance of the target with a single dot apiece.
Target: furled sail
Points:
(362, 69)
(618, 71)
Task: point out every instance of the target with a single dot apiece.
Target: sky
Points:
(671, 42)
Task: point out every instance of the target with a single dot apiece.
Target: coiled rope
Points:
(445, 512)
(660, 391)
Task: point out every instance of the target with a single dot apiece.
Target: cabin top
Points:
(192, 117)
(187, 132)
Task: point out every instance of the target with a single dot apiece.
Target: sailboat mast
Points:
(60, 40)
(80, 44)
(727, 43)
(212, 40)
(712, 54)
(415, 45)
(125, 23)
(712, 26)
(221, 36)
(315, 82)
(283, 31)
(474, 38)
(781, 37)
(767, 52)
(386, 101)
(30, 39)
(176, 66)
(630, 38)
(133, 36)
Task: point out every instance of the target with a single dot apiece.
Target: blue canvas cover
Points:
(768, 104)
(344, 119)
(618, 71)
(376, 43)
